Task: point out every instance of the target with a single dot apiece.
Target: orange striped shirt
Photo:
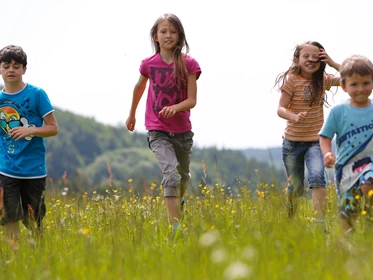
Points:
(298, 88)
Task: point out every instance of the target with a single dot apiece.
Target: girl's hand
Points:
(300, 117)
(167, 112)
(324, 57)
(130, 123)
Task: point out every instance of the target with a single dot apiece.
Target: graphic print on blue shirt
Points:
(11, 116)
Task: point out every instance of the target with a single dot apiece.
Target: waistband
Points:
(169, 133)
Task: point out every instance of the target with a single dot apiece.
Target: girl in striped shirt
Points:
(301, 103)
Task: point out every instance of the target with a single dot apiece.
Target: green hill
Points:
(88, 155)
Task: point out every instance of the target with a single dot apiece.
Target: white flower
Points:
(209, 238)
(237, 270)
(218, 255)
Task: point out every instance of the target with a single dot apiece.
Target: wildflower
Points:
(130, 180)
(363, 212)
(370, 193)
(357, 197)
(209, 238)
(237, 270)
(249, 253)
(83, 231)
(218, 255)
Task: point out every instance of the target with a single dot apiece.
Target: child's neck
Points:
(167, 56)
(14, 88)
(306, 76)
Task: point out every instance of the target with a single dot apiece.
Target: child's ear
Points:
(342, 86)
(24, 69)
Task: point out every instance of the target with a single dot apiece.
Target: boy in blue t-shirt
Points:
(352, 123)
(26, 118)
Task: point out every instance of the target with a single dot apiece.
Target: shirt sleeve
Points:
(192, 66)
(288, 86)
(44, 104)
(329, 127)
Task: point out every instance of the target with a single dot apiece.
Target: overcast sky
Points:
(86, 54)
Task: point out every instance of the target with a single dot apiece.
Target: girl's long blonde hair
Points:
(180, 69)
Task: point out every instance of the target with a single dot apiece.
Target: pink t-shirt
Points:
(163, 91)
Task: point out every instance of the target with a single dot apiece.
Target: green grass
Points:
(122, 236)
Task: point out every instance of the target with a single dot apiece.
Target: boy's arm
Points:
(50, 128)
(326, 149)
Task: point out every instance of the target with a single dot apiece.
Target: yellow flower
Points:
(83, 231)
(130, 180)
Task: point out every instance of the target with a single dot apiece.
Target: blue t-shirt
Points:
(25, 158)
(353, 128)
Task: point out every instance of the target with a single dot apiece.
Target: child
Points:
(172, 92)
(303, 88)
(23, 109)
(352, 123)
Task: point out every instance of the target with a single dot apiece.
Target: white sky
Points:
(86, 55)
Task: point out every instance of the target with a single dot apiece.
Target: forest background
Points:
(87, 155)
(90, 156)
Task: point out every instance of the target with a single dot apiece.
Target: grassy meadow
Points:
(119, 235)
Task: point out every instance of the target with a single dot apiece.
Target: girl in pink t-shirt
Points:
(172, 92)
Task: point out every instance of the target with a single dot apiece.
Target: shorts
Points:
(298, 155)
(173, 152)
(349, 202)
(22, 199)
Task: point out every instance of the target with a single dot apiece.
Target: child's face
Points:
(309, 60)
(12, 72)
(167, 35)
(359, 88)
